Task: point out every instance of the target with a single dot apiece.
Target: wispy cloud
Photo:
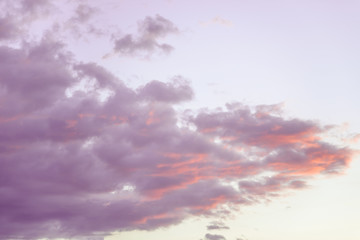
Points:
(217, 21)
(217, 225)
(83, 22)
(150, 30)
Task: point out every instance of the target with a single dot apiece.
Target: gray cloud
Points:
(209, 236)
(217, 225)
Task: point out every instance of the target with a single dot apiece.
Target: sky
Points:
(182, 120)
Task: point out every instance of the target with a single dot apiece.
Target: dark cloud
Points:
(217, 225)
(209, 236)
(150, 30)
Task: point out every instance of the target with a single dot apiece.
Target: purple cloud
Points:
(82, 162)
(176, 91)
(150, 31)
(83, 22)
(84, 13)
(8, 28)
(33, 5)
(16, 15)
(78, 166)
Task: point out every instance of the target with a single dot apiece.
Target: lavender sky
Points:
(169, 119)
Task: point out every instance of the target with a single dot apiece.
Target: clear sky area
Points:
(178, 119)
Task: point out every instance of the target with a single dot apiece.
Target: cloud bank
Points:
(83, 155)
(78, 165)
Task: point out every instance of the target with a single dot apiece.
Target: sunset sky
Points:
(178, 119)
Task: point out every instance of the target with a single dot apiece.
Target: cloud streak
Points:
(209, 236)
(217, 225)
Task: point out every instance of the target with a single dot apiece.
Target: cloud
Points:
(217, 225)
(8, 28)
(176, 91)
(84, 13)
(150, 30)
(83, 23)
(15, 16)
(209, 236)
(258, 189)
(76, 165)
(239, 126)
(33, 5)
(83, 155)
(218, 21)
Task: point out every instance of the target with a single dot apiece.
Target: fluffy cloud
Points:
(82, 154)
(150, 30)
(76, 165)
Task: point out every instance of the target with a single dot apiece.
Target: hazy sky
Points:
(182, 120)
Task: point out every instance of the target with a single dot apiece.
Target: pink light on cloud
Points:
(67, 162)
(151, 118)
